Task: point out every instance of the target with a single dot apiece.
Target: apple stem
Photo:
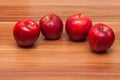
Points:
(102, 29)
(30, 25)
(79, 14)
(48, 18)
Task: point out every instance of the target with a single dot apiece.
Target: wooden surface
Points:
(60, 59)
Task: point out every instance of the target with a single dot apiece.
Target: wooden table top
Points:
(60, 59)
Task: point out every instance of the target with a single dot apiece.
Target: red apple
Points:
(26, 32)
(51, 26)
(78, 26)
(100, 37)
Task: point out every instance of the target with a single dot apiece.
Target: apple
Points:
(51, 26)
(26, 32)
(77, 27)
(100, 37)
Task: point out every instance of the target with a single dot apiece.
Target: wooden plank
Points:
(60, 59)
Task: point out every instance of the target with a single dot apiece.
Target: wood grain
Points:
(60, 59)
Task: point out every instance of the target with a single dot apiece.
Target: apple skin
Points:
(100, 37)
(51, 26)
(26, 32)
(77, 27)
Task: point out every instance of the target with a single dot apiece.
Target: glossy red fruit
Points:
(100, 37)
(51, 26)
(78, 26)
(26, 32)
